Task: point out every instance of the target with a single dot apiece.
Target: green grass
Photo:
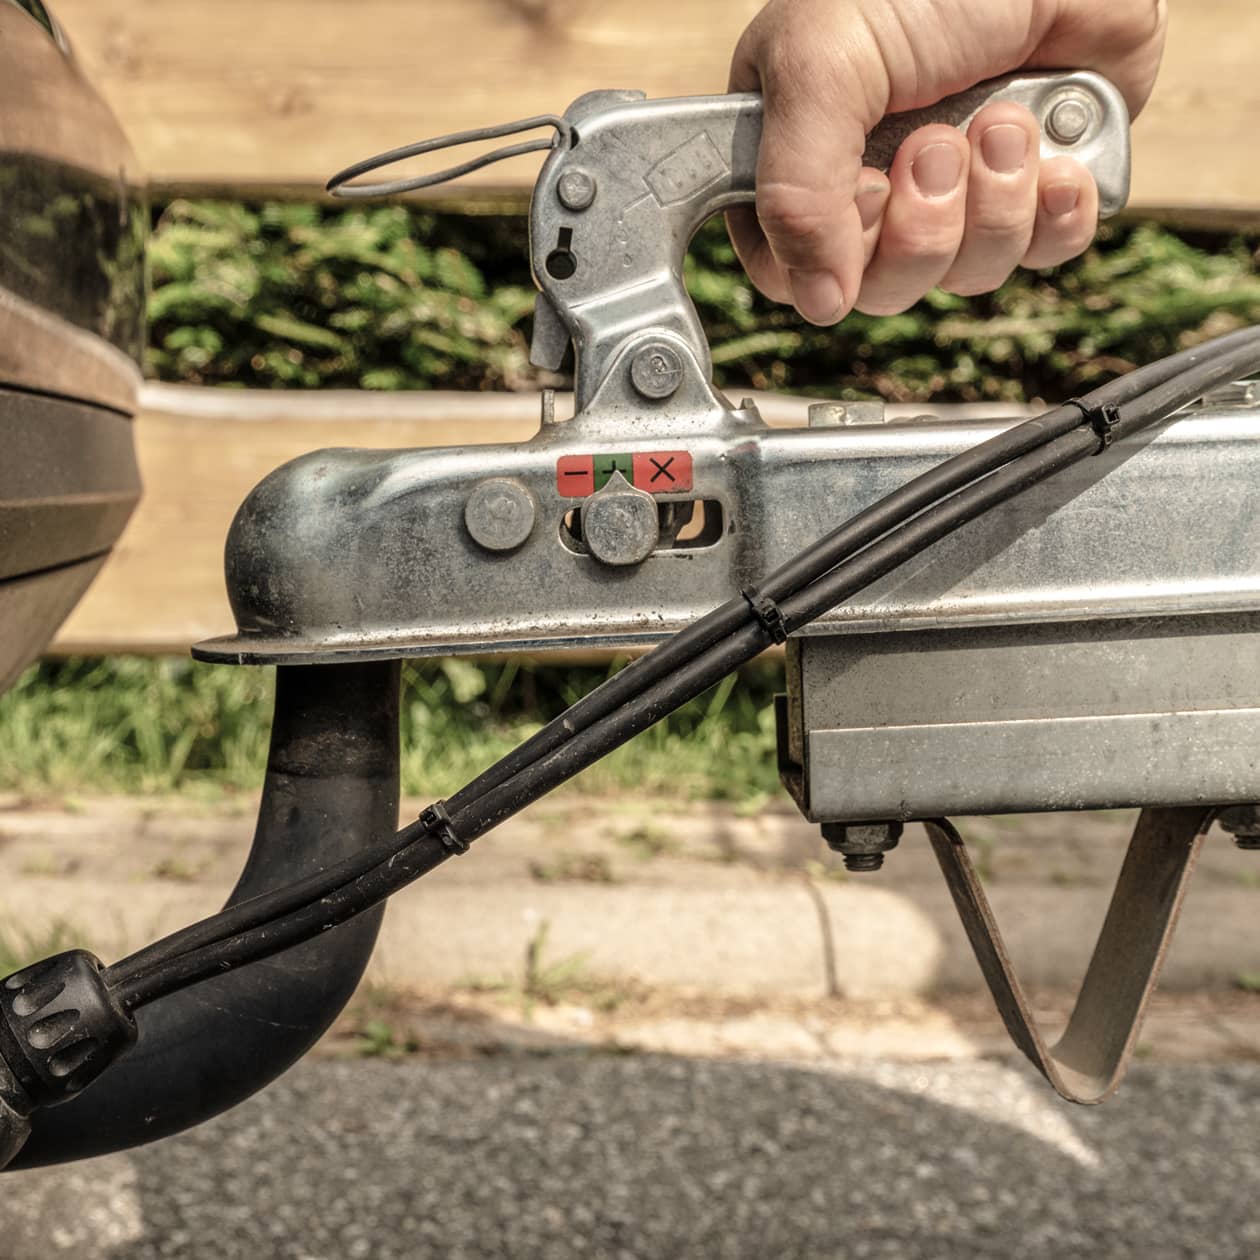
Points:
(131, 725)
(21, 946)
(548, 981)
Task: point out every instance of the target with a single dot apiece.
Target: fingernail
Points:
(1060, 199)
(937, 170)
(1004, 147)
(870, 203)
(817, 295)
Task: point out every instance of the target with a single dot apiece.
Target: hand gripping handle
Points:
(615, 208)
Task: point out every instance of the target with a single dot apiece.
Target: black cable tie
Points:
(437, 822)
(767, 612)
(1103, 418)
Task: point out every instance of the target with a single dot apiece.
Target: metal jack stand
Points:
(1088, 1062)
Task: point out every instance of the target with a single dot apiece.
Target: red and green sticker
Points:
(657, 472)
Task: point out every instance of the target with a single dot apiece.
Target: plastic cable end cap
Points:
(60, 1027)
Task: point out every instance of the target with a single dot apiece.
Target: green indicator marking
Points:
(606, 465)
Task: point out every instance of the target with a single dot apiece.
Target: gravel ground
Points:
(574, 1155)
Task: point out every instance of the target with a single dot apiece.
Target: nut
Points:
(862, 845)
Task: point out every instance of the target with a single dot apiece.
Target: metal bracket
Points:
(614, 210)
(1089, 1060)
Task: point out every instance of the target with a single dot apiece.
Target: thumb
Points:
(806, 241)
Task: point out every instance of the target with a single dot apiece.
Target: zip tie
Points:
(437, 821)
(1102, 418)
(767, 612)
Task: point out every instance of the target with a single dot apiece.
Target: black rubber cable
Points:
(415, 851)
(858, 531)
(892, 510)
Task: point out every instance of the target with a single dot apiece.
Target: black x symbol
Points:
(662, 470)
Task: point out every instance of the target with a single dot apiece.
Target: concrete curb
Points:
(700, 899)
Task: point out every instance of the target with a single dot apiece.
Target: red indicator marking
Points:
(575, 476)
(663, 472)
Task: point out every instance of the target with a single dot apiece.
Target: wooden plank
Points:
(277, 94)
(1193, 144)
(202, 450)
(285, 92)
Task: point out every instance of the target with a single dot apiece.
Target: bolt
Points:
(657, 370)
(1069, 119)
(500, 514)
(862, 845)
(576, 189)
(861, 862)
(621, 524)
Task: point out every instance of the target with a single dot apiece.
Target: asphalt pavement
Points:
(580, 1155)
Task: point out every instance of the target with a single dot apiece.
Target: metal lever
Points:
(614, 211)
(1088, 1062)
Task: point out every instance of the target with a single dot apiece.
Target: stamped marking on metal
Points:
(688, 170)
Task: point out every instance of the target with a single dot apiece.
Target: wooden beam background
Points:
(277, 94)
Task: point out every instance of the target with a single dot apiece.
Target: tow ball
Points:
(989, 617)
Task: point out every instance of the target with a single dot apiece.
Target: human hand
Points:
(960, 211)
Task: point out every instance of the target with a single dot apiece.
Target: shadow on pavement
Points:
(567, 1155)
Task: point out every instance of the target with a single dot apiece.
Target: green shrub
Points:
(389, 297)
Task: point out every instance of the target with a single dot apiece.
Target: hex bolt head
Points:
(500, 514)
(657, 370)
(862, 845)
(576, 189)
(1068, 119)
(620, 524)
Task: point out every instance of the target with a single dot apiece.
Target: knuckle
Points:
(777, 62)
(998, 112)
(922, 249)
(1001, 218)
(972, 284)
(882, 304)
(793, 213)
(768, 279)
